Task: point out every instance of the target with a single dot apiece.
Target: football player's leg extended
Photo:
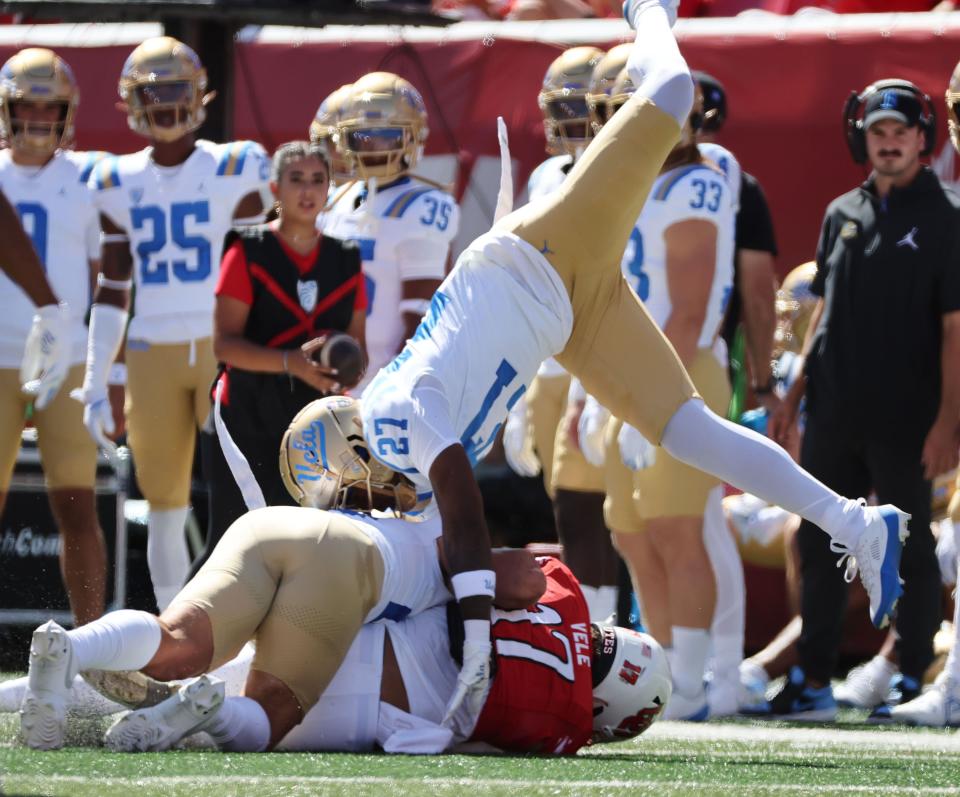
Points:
(623, 359)
(584, 225)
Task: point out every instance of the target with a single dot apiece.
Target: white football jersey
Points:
(176, 219)
(404, 233)
(58, 213)
(692, 191)
(546, 179)
(728, 164)
(499, 314)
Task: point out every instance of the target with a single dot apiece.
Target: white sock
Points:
(952, 665)
(167, 557)
(655, 65)
(234, 672)
(601, 602)
(691, 647)
(121, 640)
(754, 464)
(751, 671)
(729, 616)
(240, 726)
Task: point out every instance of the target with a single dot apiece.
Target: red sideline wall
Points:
(785, 101)
(786, 91)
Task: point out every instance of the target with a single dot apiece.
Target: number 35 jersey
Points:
(58, 214)
(692, 191)
(404, 233)
(176, 219)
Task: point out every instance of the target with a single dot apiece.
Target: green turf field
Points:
(719, 758)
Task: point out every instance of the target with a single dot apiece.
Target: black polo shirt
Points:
(888, 270)
(754, 231)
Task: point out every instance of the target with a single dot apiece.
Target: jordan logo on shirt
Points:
(908, 239)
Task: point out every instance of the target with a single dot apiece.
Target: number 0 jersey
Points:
(692, 191)
(541, 698)
(58, 214)
(176, 219)
(403, 234)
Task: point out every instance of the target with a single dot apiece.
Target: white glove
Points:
(593, 421)
(636, 451)
(107, 327)
(46, 357)
(473, 681)
(947, 553)
(518, 442)
(98, 418)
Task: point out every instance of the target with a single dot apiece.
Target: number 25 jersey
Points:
(176, 219)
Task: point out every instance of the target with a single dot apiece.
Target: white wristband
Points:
(415, 306)
(114, 238)
(117, 285)
(118, 374)
(473, 582)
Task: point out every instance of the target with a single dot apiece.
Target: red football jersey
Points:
(541, 698)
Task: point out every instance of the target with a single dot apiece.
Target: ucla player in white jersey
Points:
(540, 422)
(679, 261)
(546, 281)
(165, 211)
(403, 223)
(46, 184)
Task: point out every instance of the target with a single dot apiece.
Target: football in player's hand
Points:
(341, 351)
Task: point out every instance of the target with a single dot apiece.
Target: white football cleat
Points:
(866, 686)
(687, 709)
(672, 8)
(938, 707)
(162, 726)
(877, 556)
(44, 709)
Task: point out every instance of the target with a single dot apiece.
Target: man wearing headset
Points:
(881, 378)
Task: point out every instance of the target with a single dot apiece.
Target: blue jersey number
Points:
(475, 445)
(33, 217)
(391, 445)
(707, 194)
(635, 266)
(438, 213)
(157, 272)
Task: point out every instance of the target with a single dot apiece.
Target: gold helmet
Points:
(563, 99)
(953, 107)
(382, 127)
(794, 307)
(163, 86)
(325, 462)
(36, 75)
(324, 126)
(605, 74)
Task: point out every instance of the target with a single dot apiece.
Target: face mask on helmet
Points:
(325, 462)
(571, 118)
(163, 88)
(381, 127)
(38, 100)
(631, 683)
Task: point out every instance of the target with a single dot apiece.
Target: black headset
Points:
(853, 117)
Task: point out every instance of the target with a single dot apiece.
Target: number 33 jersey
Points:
(693, 191)
(404, 234)
(176, 219)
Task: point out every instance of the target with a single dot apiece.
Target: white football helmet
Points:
(325, 462)
(631, 682)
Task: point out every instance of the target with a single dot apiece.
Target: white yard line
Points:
(433, 783)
